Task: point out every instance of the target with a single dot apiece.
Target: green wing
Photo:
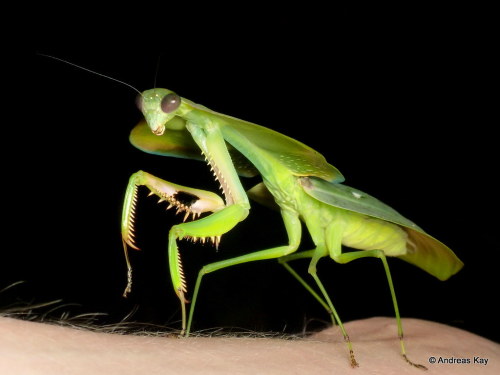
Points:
(178, 142)
(299, 159)
(431, 255)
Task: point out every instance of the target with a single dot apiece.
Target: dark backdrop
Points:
(396, 98)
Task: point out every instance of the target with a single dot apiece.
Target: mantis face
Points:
(159, 106)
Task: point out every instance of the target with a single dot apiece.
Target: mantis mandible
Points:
(295, 178)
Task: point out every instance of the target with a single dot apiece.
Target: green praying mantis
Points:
(296, 180)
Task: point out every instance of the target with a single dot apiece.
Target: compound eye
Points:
(170, 103)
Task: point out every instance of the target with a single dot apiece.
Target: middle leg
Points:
(293, 228)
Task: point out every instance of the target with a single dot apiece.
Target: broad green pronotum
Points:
(296, 179)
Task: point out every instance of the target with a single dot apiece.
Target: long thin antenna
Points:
(157, 70)
(91, 71)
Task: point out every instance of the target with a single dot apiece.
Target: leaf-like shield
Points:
(177, 142)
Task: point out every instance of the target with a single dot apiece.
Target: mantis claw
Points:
(188, 200)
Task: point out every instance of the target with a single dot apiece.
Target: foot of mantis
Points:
(315, 256)
(345, 258)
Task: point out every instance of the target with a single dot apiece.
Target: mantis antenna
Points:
(91, 71)
(156, 72)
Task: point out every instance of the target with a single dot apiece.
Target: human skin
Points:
(38, 348)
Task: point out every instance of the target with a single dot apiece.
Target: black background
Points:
(396, 98)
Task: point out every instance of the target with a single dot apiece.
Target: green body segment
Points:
(422, 250)
(297, 158)
(297, 180)
(337, 215)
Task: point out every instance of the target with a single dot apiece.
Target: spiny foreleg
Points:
(192, 202)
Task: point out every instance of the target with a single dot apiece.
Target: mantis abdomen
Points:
(352, 229)
(368, 233)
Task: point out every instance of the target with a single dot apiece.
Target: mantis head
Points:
(159, 106)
